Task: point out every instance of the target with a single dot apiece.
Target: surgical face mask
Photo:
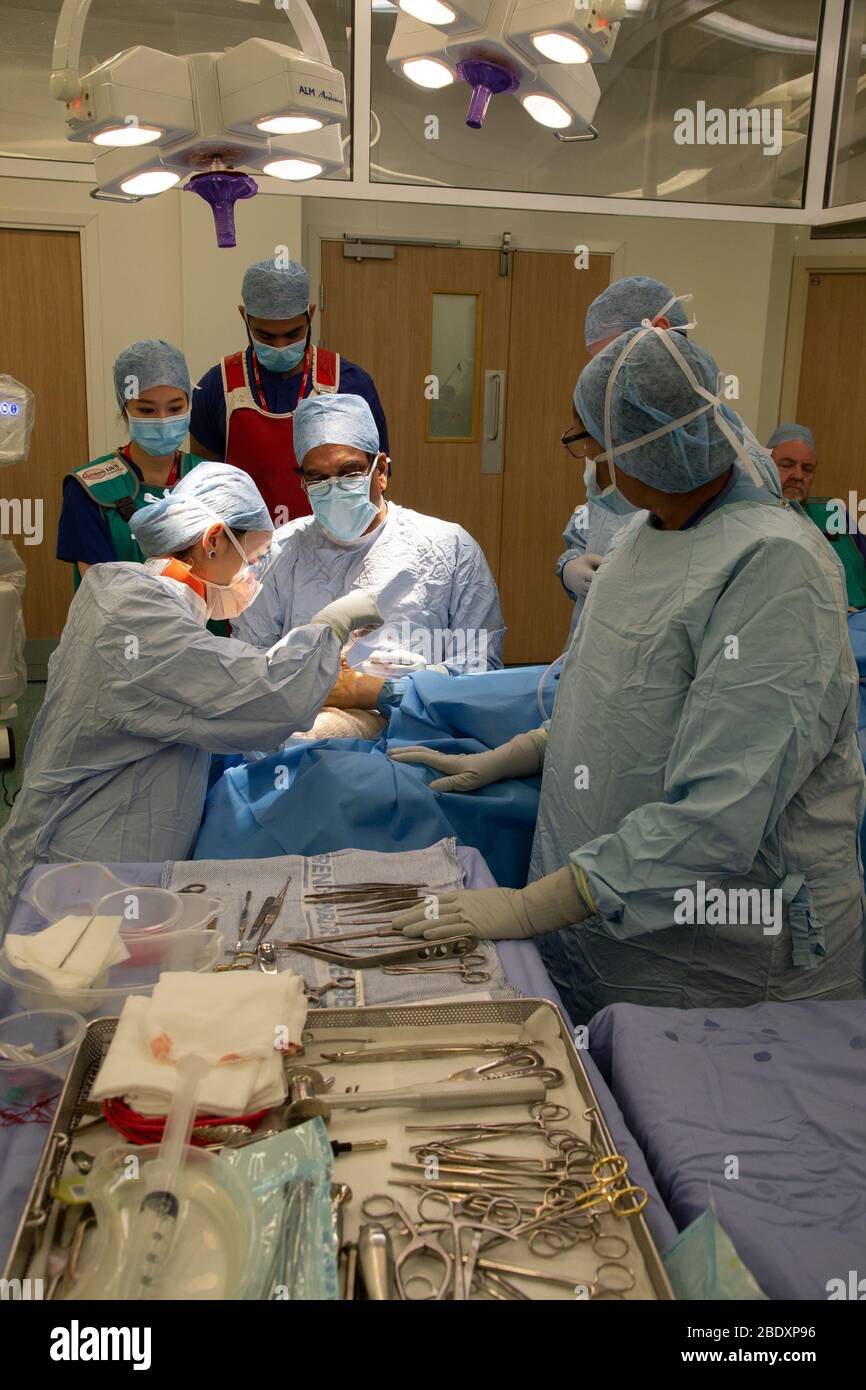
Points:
(227, 601)
(608, 497)
(159, 437)
(283, 359)
(342, 506)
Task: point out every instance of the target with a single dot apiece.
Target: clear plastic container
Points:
(214, 1246)
(51, 1037)
(147, 915)
(150, 941)
(183, 950)
(73, 889)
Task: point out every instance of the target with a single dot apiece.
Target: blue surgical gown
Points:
(705, 730)
(594, 523)
(449, 612)
(139, 695)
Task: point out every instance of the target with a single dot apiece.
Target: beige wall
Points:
(739, 273)
(152, 270)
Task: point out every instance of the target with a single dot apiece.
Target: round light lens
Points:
(289, 125)
(293, 168)
(547, 111)
(428, 11)
(427, 72)
(560, 48)
(151, 181)
(127, 135)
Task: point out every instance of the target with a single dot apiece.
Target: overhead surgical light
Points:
(547, 111)
(429, 11)
(150, 182)
(427, 72)
(293, 169)
(127, 135)
(560, 48)
(159, 118)
(538, 51)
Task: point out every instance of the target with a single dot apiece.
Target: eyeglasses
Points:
(574, 441)
(322, 487)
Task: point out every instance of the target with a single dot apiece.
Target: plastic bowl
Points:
(159, 914)
(73, 888)
(217, 1247)
(55, 1036)
(146, 915)
(185, 950)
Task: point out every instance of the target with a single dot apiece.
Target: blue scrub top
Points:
(82, 531)
(208, 423)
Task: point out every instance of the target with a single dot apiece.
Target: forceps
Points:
(467, 967)
(314, 992)
(383, 1207)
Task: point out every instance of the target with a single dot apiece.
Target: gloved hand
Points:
(520, 757)
(498, 914)
(577, 574)
(354, 610)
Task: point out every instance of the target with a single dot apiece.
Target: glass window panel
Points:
(453, 338)
(33, 124)
(848, 183)
(742, 54)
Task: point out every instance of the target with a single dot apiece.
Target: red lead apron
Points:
(260, 442)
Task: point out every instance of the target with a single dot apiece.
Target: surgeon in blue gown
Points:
(140, 694)
(704, 733)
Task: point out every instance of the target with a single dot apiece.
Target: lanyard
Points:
(173, 471)
(259, 391)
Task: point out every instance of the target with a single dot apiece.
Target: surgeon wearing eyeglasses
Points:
(699, 741)
(440, 599)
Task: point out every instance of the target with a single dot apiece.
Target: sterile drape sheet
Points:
(760, 1111)
(347, 793)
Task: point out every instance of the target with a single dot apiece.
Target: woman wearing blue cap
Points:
(152, 386)
(140, 694)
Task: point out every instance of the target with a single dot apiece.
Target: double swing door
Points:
(476, 369)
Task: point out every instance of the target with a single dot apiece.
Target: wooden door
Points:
(832, 391)
(542, 483)
(42, 345)
(378, 313)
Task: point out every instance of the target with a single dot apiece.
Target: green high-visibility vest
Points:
(818, 510)
(118, 492)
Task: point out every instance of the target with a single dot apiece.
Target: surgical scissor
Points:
(382, 1207)
(465, 966)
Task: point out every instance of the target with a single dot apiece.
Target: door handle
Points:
(493, 428)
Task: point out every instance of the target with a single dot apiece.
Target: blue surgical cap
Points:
(626, 303)
(651, 390)
(270, 291)
(150, 362)
(801, 433)
(334, 420)
(179, 519)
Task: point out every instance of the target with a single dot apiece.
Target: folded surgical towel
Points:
(72, 953)
(240, 1023)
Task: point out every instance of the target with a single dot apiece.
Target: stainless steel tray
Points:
(382, 1024)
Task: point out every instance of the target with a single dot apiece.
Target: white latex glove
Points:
(577, 574)
(498, 914)
(354, 610)
(520, 757)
